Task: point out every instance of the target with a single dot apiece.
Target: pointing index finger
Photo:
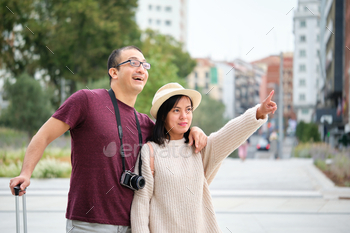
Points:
(268, 99)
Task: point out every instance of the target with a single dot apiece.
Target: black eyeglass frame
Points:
(141, 63)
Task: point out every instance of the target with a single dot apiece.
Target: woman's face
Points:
(179, 119)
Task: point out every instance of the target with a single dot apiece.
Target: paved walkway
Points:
(254, 196)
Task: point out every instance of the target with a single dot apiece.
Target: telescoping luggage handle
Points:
(17, 190)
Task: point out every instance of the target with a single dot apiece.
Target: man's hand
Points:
(198, 136)
(23, 181)
(266, 107)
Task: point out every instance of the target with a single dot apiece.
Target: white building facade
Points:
(307, 79)
(169, 17)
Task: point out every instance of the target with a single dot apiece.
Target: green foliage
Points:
(29, 107)
(55, 162)
(170, 50)
(209, 115)
(306, 132)
(162, 71)
(80, 34)
(11, 170)
(52, 168)
(102, 83)
(340, 166)
(12, 138)
(335, 163)
(314, 150)
(321, 164)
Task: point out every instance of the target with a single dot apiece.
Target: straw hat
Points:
(169, 90)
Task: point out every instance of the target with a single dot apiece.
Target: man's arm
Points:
(199, 137)
(51, 130)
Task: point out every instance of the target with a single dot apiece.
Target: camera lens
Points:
(137, 182)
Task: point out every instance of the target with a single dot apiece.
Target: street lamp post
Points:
(280, 110)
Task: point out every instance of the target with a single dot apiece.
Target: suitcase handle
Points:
(17, 189)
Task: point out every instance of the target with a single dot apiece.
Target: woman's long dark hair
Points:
(160, 134)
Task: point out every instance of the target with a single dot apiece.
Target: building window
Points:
(195, 75)
(149, 21)
(302, 82)
(317, 69)
(168, 22)
(206, 85)
(318, 52)
(318, 38)
(302, 23)
(305, 111)
(168, 8)
(150, 7)
(302, 68)
(302, 38)
(318, 23)
(158, 21)
(158, 8)
(196, 86)
(302, 97)
(302, 53)
(206, 75)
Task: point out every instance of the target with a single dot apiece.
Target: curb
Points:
(326, 186)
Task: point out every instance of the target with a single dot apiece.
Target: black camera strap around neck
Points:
(120, 131)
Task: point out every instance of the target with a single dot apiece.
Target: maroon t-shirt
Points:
(96, 194)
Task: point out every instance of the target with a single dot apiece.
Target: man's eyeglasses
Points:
(136, 63)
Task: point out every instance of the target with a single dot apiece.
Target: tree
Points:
(169, 49)
(307, 131)
(169, 63)
(29, 105)
(67, 39)
(209, 115)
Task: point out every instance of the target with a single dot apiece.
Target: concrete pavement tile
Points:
(238, 223)
(338, 206)
(52, 203)
(299, 220)
(307, 230)
(308, 205)
(260, 205)
(53, 222)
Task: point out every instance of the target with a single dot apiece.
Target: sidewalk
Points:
(254, 196)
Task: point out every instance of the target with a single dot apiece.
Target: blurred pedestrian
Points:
(243, 150)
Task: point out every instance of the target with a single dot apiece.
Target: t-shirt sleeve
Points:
(73, 111)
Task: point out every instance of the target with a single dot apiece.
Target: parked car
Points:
(263, 144)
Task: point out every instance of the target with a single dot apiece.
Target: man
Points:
(97, 202)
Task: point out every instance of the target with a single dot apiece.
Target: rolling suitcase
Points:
(17, 190)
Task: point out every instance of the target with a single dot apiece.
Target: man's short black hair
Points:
(114, 58)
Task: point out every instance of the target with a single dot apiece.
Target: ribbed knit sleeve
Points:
(223, 142)
(141, 202)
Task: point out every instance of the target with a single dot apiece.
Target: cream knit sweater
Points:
(177, 199)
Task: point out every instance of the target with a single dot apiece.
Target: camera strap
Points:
(120, 131)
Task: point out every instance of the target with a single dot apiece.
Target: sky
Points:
(246, 29)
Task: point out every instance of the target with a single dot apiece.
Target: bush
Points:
(339, 168)
(306, 132)
(52, 168)
(55, 162)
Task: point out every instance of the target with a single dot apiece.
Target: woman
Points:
(243, 150)
(177, 197)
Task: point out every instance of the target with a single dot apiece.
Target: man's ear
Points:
(113, 72)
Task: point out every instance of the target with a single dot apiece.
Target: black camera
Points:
(132, 180)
